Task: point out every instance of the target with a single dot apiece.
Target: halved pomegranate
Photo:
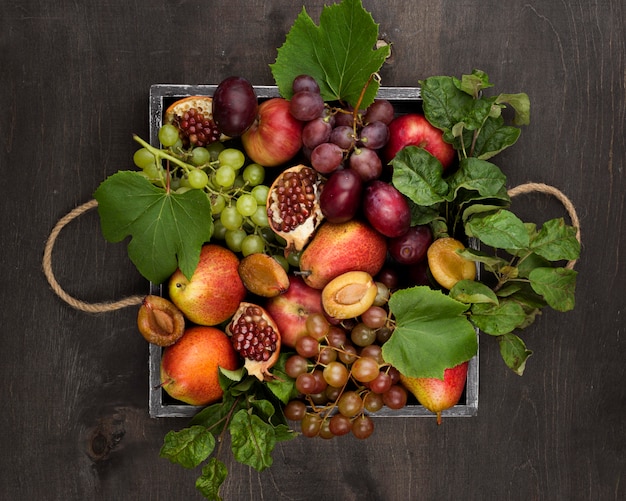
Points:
(256, 338)
(193, 116)
(293, 207)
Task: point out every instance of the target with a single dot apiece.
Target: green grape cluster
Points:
(234, 186)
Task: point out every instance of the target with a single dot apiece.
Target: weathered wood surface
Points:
(75, 79)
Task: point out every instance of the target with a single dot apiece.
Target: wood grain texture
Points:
(75, 80)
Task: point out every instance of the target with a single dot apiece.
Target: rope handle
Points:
(108, 306)
(56, 287)
(551, 190)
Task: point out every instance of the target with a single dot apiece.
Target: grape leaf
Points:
(432, 333)
(167, 229)
(339, 53)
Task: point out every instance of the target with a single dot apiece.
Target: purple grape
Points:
(316, 132)
(342, 118)
(386, 209)
(234, 106)
(342, 136)
(366, 163)
(374, 135)
(341, 196)
(326, 158)
(381, 110)
(305, 83)
(411, 247)
(306, 105)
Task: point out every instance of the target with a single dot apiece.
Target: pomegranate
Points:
(193, 116)
(256, 338)
(293, 207)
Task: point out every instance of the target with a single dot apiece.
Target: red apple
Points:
(275, 137)
(414, 130)
(214, 291)
(189, 367)
(291, 309)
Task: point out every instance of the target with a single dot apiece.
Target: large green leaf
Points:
(339, 53)
(252, 440)
(419, 176)
(167, 229)
(189, 446)
(432, 333)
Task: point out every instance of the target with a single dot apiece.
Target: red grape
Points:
(326, 158)
(305, 83)
(380, 110)
(374, 135)
(306, 105)
(366, 163)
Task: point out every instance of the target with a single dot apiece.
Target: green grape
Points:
(232, 157)
(219, 232)
(239, 182)
(168, 135)
(260, 217)
(254, 174)
(252, 244)
(214, 150)
(174, 183)
(260, 193)
(293, 258)
(178, 149)
(218, 202)
(234, 239)
(267, 233)
(198, 179)
(225, 176)
(230, 218)
(282, 260)
(143, 158)
(153, 171)
(200, 156)
(246, 205)
(182, 189)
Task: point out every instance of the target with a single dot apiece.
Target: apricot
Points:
(349, 295)
(446, 265)
(159, 321)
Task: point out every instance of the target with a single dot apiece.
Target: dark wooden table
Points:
(74, 80)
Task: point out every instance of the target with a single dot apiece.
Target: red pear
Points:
(214, 291)
(338, 248)
(189, 367)
(435, 394)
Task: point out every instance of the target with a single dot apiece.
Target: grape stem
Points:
(160, 154)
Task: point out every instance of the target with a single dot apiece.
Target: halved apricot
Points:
(446, 265)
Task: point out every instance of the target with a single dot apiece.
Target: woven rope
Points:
(56, 287)
(551, 190)
(136, 300)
